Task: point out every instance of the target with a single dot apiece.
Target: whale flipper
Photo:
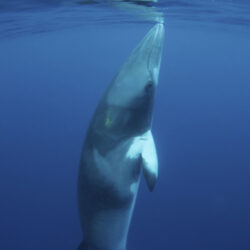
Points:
(149, 160)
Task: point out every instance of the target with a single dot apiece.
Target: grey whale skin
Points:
(117, 146)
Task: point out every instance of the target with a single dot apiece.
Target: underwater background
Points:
(57, 58)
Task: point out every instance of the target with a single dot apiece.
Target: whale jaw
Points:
(126, 108)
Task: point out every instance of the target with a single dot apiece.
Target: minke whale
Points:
(119, 146)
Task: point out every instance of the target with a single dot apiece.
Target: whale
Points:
(119, 148)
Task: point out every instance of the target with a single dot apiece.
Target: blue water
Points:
(56, 60)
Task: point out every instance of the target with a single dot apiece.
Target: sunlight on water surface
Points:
(22, 17)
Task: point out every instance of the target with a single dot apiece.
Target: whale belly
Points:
(107, 189)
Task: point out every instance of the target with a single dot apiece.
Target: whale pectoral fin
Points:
(149, 161)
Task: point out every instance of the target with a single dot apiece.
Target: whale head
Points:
(127, 106)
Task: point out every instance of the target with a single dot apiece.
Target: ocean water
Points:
(57, 58)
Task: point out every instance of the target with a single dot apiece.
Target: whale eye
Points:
(149, 87)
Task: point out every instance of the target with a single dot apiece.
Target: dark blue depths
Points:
(50, 84)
